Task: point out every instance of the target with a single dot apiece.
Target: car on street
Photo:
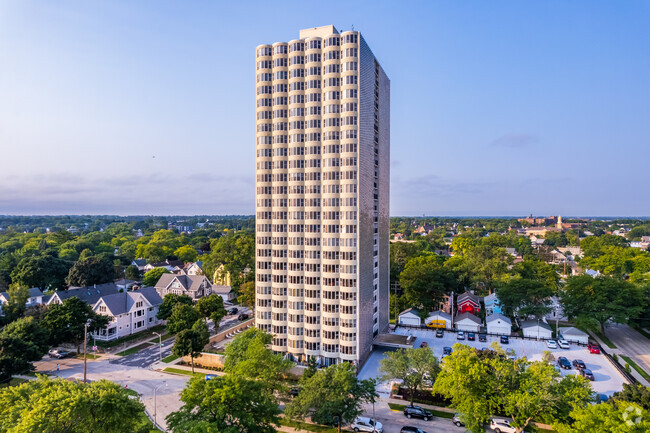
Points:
(210, 376)
(482, 338)
(446, 351)
(367, 424)
(59, 354)
(411, 429)
(233, 311)
(505, 339)
(563, 344)
(424, 344)
(593, 348)
(456, 420)
(417, 412)
(551, 344)
(243, 316)
(587, 374)
(502, 426)
(471, 336)
(564, 363)
(577, 363)
(460, 335)
(440, 333)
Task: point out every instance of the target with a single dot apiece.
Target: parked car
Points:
(367, 424)
(482, 338)
(417, 412)
(564, 363)
(586, 373)
(210, 376)
(243, 316)
(471, 336)
(59, 354)
(502, 426)
(505, 339)
(440, 333)
(411, 429)
(233, 311)
(551, 344)
(456, 420)
(593, 348)
(460, 335)
(446, 351)
(563, 344)
(294, 391)
(424, 344)
(577, 363)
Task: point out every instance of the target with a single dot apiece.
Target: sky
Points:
(498, 108)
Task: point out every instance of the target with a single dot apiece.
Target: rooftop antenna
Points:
(352, 27)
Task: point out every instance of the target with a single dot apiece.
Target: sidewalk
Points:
(619, 352)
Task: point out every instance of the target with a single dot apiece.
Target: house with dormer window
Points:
(129, 312)
(194, 286)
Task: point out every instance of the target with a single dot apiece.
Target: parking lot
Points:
(607, 378)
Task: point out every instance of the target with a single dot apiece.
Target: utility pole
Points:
(159, 345)
(85, 346)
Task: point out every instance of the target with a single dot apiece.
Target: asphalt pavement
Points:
(631, 343)
(145, 357)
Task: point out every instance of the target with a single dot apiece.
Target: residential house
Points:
(536, 329)
(90, 294)
(410, 317)
(192, 268)
(226, 292)
(129, 312)
(467, 322)
(492, 304)
(557, 312)
(195, 286)
(498, 324)
(424, 229)
(140, 263)
(575, 335)
(125, 284)
(439, 319)
(173, 266)
(468, 302)
(35, 298)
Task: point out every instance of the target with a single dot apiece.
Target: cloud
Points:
(515, 141)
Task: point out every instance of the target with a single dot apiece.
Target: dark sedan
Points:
(417, 412)
(482, 338)
(577, 363)
(505, 339)
(471, 336)
(446, 351)
(564, 363)
(586, 373)
(440, 333)
(411, 429)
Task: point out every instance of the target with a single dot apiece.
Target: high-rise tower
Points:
(322, 195)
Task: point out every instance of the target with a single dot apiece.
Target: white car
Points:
(502, 426)
(367, 424)
(551, 344)
(460, 335)
(563, 344)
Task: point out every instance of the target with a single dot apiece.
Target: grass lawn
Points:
(133, 350)
(438, 413)
(185, 372)
(144, 334)
(638, 369)
(641, 331)
(308, 426)
(169, 358)
(88, 356)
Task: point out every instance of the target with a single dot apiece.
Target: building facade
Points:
(322, 195)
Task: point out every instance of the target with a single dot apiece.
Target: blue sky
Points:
(498, 108)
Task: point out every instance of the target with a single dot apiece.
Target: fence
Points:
(631, 379)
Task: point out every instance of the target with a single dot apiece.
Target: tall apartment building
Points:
(322, 195)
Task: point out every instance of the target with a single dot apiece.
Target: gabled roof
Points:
(492, 297)
(410, 310)
(139, 262)
(468, 296)
(190, 283)
(34, 292)
(221, 290)
(469, 316)
(441, 314)
(120, 303)
(533, 323)
(497, 316)
(570, 330)
(90, 294)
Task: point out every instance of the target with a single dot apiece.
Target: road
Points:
(145, 357)
(631, 343)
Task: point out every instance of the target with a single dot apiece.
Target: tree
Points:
(225, 404)
(190, 342)
(481, 385)
(16, 307)
(182, 317)
(247, 294)
(236, 251)
(593, 302)
(211, 307)
(21, 342)
(425, 281)
(93, 270)
(61, 406)
(186, 253)
(525, 297)
(169, 301)
(132, 273)
(65, 322)
(638, 394)
(151, 277)
(333, 393)
(615, 417)
(44, 272)
(414, 367)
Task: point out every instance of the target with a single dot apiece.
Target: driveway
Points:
(631, 343)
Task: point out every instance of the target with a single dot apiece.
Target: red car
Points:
(593, 348)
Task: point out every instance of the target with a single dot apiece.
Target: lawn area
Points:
(144, 334)
(308, 426)
(133, 350)
(88, 356)
(438, 413)
(638, 369)
(641, 331)
(169, 358)
(185, 372)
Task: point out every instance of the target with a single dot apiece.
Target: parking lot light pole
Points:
(159, 345)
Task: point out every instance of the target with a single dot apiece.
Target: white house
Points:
(35, 298)
(226, 292)
(498, 324)
(409, 317)
(467, 322)
(573, 334)
(192, 268)
(129, 312)
(536, 329)
(195, 286)
(439, 318)
(90, 294)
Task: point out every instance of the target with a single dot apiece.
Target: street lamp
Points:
(159, 345)
(155, 407)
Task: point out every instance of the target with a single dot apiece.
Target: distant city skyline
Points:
(498, 109)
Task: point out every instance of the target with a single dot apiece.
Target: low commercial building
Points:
(498, 324)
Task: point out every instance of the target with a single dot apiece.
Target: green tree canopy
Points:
(183, 317)
(44, 272)
(186, 253)
(65, 322)
(169, 301)
(638, 394)
(615, 417)
(414, 367)
(211, 307)
(151, 277)
(93, 270)
(425, 281)
(191, 341)
(525, 297)
(132, 273)
(21, 342)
